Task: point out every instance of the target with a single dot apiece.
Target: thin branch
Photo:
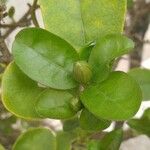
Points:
(24, 21)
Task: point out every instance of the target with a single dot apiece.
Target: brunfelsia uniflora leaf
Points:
(45, 58)
(55, 104)
(105, 51)
(142, 125)
(90, 122)
(36, 139)
(64, 140)
(20, 95)
(80, 22)
(110, 141)
(142, 76)
(117, 98)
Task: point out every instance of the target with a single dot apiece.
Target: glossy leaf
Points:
(64, 140)
(142, 76)
(79, 22)
(91, 123)
(55, 104)
(36, 139)
(117, 98)
(106, 50)
(19, 93)
(45, 58)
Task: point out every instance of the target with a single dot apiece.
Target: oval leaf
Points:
(36, 139)
(70, 124)
(79, 22)
(142, 76)
(64, 140)
(1, 147)
(91, 123)
(117, 98)
(55, 104)
(19, 93)
(45, 58)
(141, 125)
(106, 50)
(112, 140)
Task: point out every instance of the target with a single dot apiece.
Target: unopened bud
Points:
(82, 72)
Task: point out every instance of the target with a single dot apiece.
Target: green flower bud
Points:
(82, 72)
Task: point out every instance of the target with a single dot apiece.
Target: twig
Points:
(25, 20)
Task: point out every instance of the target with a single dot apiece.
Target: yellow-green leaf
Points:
(81, 21)
(36, 139)
(19, 93)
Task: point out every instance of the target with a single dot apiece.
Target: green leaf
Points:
(146, 113)
(55, 104)
(45, 58)
(112, 140)
(142, 125)
(117, 98)
(1, 147)
(91, 123)
(93, 145)
(130, 3)
(64, 140)
(142, 76)
(80, 22)
(6, 125)
(86, 51)
(36, 139)
(70, 124)
(106, 50)
(19, 93)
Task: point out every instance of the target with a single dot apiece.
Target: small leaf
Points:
(1, 147)
(93, 145)
(70, 124)
(142, 125)
(86, 51)
(91, 123)
(146, 113)
(106, 50)
(80, 22)
(11, 12)
(142, 76)
(6, 125)
(55, 104)
(112, 140)
(36, 139)
(45, 58)
(19, 93)
(64, 140)
(117, 98)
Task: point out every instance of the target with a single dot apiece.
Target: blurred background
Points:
(17, 14)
